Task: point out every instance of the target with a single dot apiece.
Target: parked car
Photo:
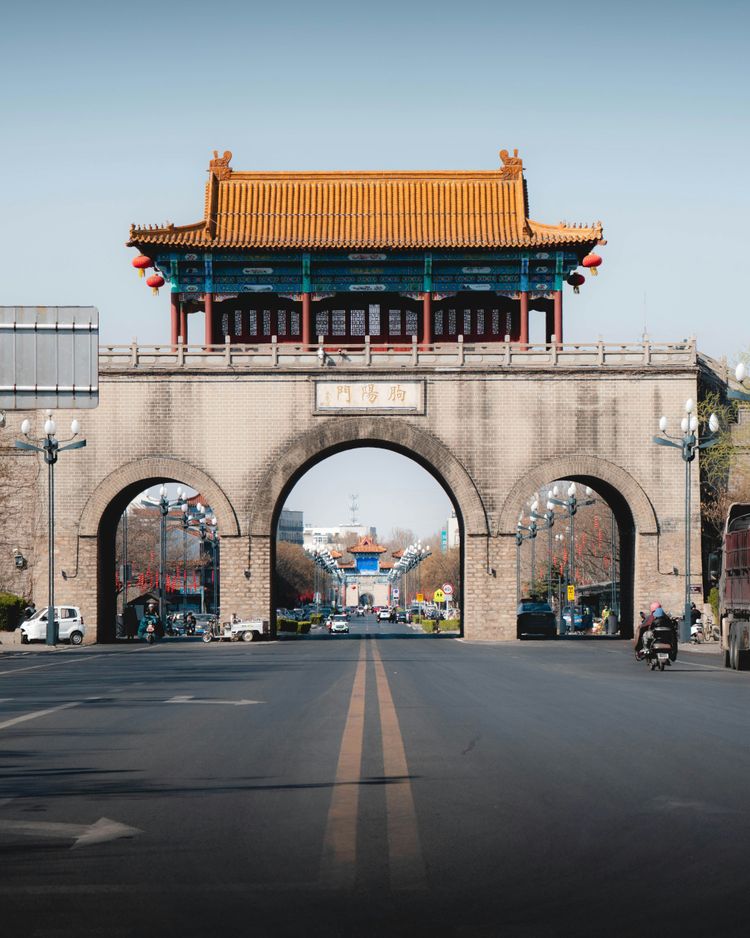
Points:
(577, 618)
(535, 619)
(70, 627)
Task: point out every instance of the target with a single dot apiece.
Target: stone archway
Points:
(634, 513)
(99, 518)
(340, 434)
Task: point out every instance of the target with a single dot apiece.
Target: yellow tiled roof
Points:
(365, 210)
(366, 545)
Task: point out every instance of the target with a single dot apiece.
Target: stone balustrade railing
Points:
(368, 355)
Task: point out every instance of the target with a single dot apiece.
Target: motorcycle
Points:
(696, 633)
(150, 634)
(659, 646)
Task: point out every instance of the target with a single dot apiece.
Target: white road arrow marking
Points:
(187, 699)
(84, 835)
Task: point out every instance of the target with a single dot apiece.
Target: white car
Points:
(70, 626)
(339, 623)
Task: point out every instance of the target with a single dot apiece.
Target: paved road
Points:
(375, 784)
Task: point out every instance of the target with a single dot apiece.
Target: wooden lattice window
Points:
(357, 322)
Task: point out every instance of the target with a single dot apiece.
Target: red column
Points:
(208, 305)
(558, 316)
(183, 324)
(549, 323)
(524, 334)
(427, 318)
(306, 319)
(175, 309)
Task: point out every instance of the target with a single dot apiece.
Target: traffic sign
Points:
(395, 592)
(448, 589)
(420, 597)
(571, 594)
(438, 596)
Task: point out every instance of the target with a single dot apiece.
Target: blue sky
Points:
(636, 114)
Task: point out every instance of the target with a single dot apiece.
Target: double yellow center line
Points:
(339, 861)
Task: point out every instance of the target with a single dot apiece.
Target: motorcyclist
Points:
(190, 623)
(657, 617)
(151, 617)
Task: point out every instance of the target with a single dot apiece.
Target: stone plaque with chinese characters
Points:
(371, 396)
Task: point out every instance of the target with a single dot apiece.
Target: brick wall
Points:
(493, 436)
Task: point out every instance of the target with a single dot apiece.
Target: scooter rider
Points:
(657, 617)
(151, 617)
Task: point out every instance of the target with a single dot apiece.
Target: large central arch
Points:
(334, 436)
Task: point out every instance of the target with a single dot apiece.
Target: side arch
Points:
(156, 467)
(619, 487)
(335, 435)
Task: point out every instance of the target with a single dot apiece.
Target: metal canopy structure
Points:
(49, 357)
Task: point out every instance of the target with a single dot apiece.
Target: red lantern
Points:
(592, 261)
(575, 280)
(155, 281)
(141, 263)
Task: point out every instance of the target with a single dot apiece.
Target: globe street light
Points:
(531, 530)
(688, 444)
(187, 522)
(51, 447)
(571, 504)
(409, 560)
(165, 505)
(549, 520)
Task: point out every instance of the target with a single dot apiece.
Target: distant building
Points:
(291, 526)
(454, 535)
(335, 537)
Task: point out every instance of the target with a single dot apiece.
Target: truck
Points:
(732, 566)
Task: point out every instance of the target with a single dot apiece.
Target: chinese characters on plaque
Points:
(369, 395)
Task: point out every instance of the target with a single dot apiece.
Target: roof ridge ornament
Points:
(512, 167)
(219, 165)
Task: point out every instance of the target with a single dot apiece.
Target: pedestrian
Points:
(130, 622)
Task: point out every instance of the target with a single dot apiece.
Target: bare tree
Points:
(294, 573)
(400, 538)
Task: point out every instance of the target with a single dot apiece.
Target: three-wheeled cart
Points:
(246, 630)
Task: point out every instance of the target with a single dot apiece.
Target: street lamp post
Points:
(215, 563)
(165, 505)
(571, 504)
(531, 529)
(560, 538)
(410, 560)
(688, 444)
(51, 447)
(548, 519)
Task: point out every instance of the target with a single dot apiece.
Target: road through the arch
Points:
(519, 789)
